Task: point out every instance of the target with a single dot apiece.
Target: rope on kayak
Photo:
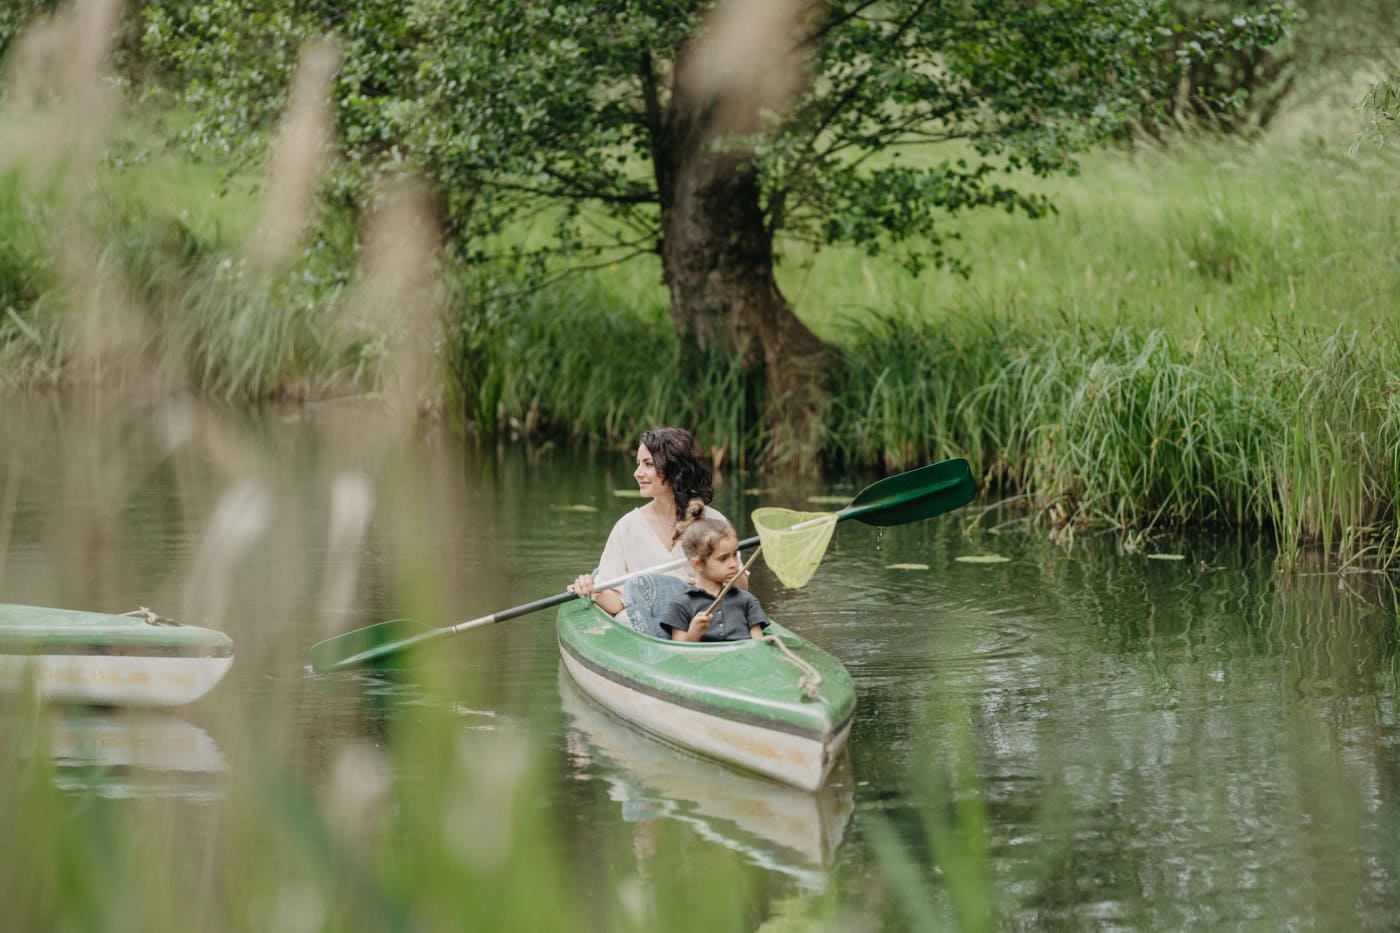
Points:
(151, 616)
(810, 679)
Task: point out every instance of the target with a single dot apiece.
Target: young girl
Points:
(713, 550)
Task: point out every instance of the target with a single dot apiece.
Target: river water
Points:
(1164, 737)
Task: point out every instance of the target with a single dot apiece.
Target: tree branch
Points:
(844, 101)
(570, 271)
(576, 194)
(653, 120)
(634, 196)
(834, 22)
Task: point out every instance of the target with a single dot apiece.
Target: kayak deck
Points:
(110, 660)
(743, 702)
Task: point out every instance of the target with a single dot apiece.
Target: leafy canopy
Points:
(912, 110)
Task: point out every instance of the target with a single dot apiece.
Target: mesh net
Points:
(793, 542)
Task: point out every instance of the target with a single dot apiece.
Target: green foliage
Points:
(1235, 73)
(1232, 71)
(1381, 108)
(1196, 337)
(199, 316)
(1336, 39)
(1135, 429)
(513, 107)
(14, 14)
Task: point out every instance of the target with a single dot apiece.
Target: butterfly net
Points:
(793, 542)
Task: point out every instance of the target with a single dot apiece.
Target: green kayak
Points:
(781, 707)
(109, 660)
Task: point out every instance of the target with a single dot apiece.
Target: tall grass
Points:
(1205, 235)
(28, 351)
(574, 363)
(1127, 427)
(1138, 430)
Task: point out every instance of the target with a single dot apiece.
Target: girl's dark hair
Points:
(697, 534)
(679, 462)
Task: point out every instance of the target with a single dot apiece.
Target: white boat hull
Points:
(113, 680)
(799, 760)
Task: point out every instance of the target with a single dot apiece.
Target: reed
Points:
(29, 349)
(573, 362)
(1137, 430)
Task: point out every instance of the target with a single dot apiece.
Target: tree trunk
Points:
(717, 255)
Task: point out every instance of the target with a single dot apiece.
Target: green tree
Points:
(1221, 70)
(701, 132)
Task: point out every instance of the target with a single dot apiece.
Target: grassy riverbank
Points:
(1200, 334)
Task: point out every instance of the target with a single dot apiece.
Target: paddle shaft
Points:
(505, 615)
(730, 582)
(894, 500)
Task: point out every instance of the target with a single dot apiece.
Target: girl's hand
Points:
(583, 586)
(699, 623)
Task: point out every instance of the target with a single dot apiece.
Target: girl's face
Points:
(649, 482)
(723, 562)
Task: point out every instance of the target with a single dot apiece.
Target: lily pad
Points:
(1166, 556)
(982, 559)
(829, 500)
(573, 508)
(628, 493)
(906, 566)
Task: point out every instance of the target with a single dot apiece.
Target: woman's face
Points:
(649, 482)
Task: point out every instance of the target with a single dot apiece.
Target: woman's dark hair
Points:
(679, 462)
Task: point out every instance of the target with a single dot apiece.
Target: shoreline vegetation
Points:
(1200, 335)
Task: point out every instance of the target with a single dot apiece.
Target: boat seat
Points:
(646, 598)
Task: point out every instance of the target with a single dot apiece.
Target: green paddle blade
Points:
(915, 495)
(333, 653)
(894, 500)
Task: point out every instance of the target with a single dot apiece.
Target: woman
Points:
(670, 472)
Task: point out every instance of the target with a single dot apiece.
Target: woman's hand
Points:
(610, 601)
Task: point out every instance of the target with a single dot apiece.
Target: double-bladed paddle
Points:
(895, 500)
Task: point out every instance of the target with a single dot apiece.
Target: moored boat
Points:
(97, 658)
(780, 707)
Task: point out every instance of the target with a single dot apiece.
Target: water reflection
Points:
(123, 753)
(1175, 740)
(1152, 744)
(772, 826)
